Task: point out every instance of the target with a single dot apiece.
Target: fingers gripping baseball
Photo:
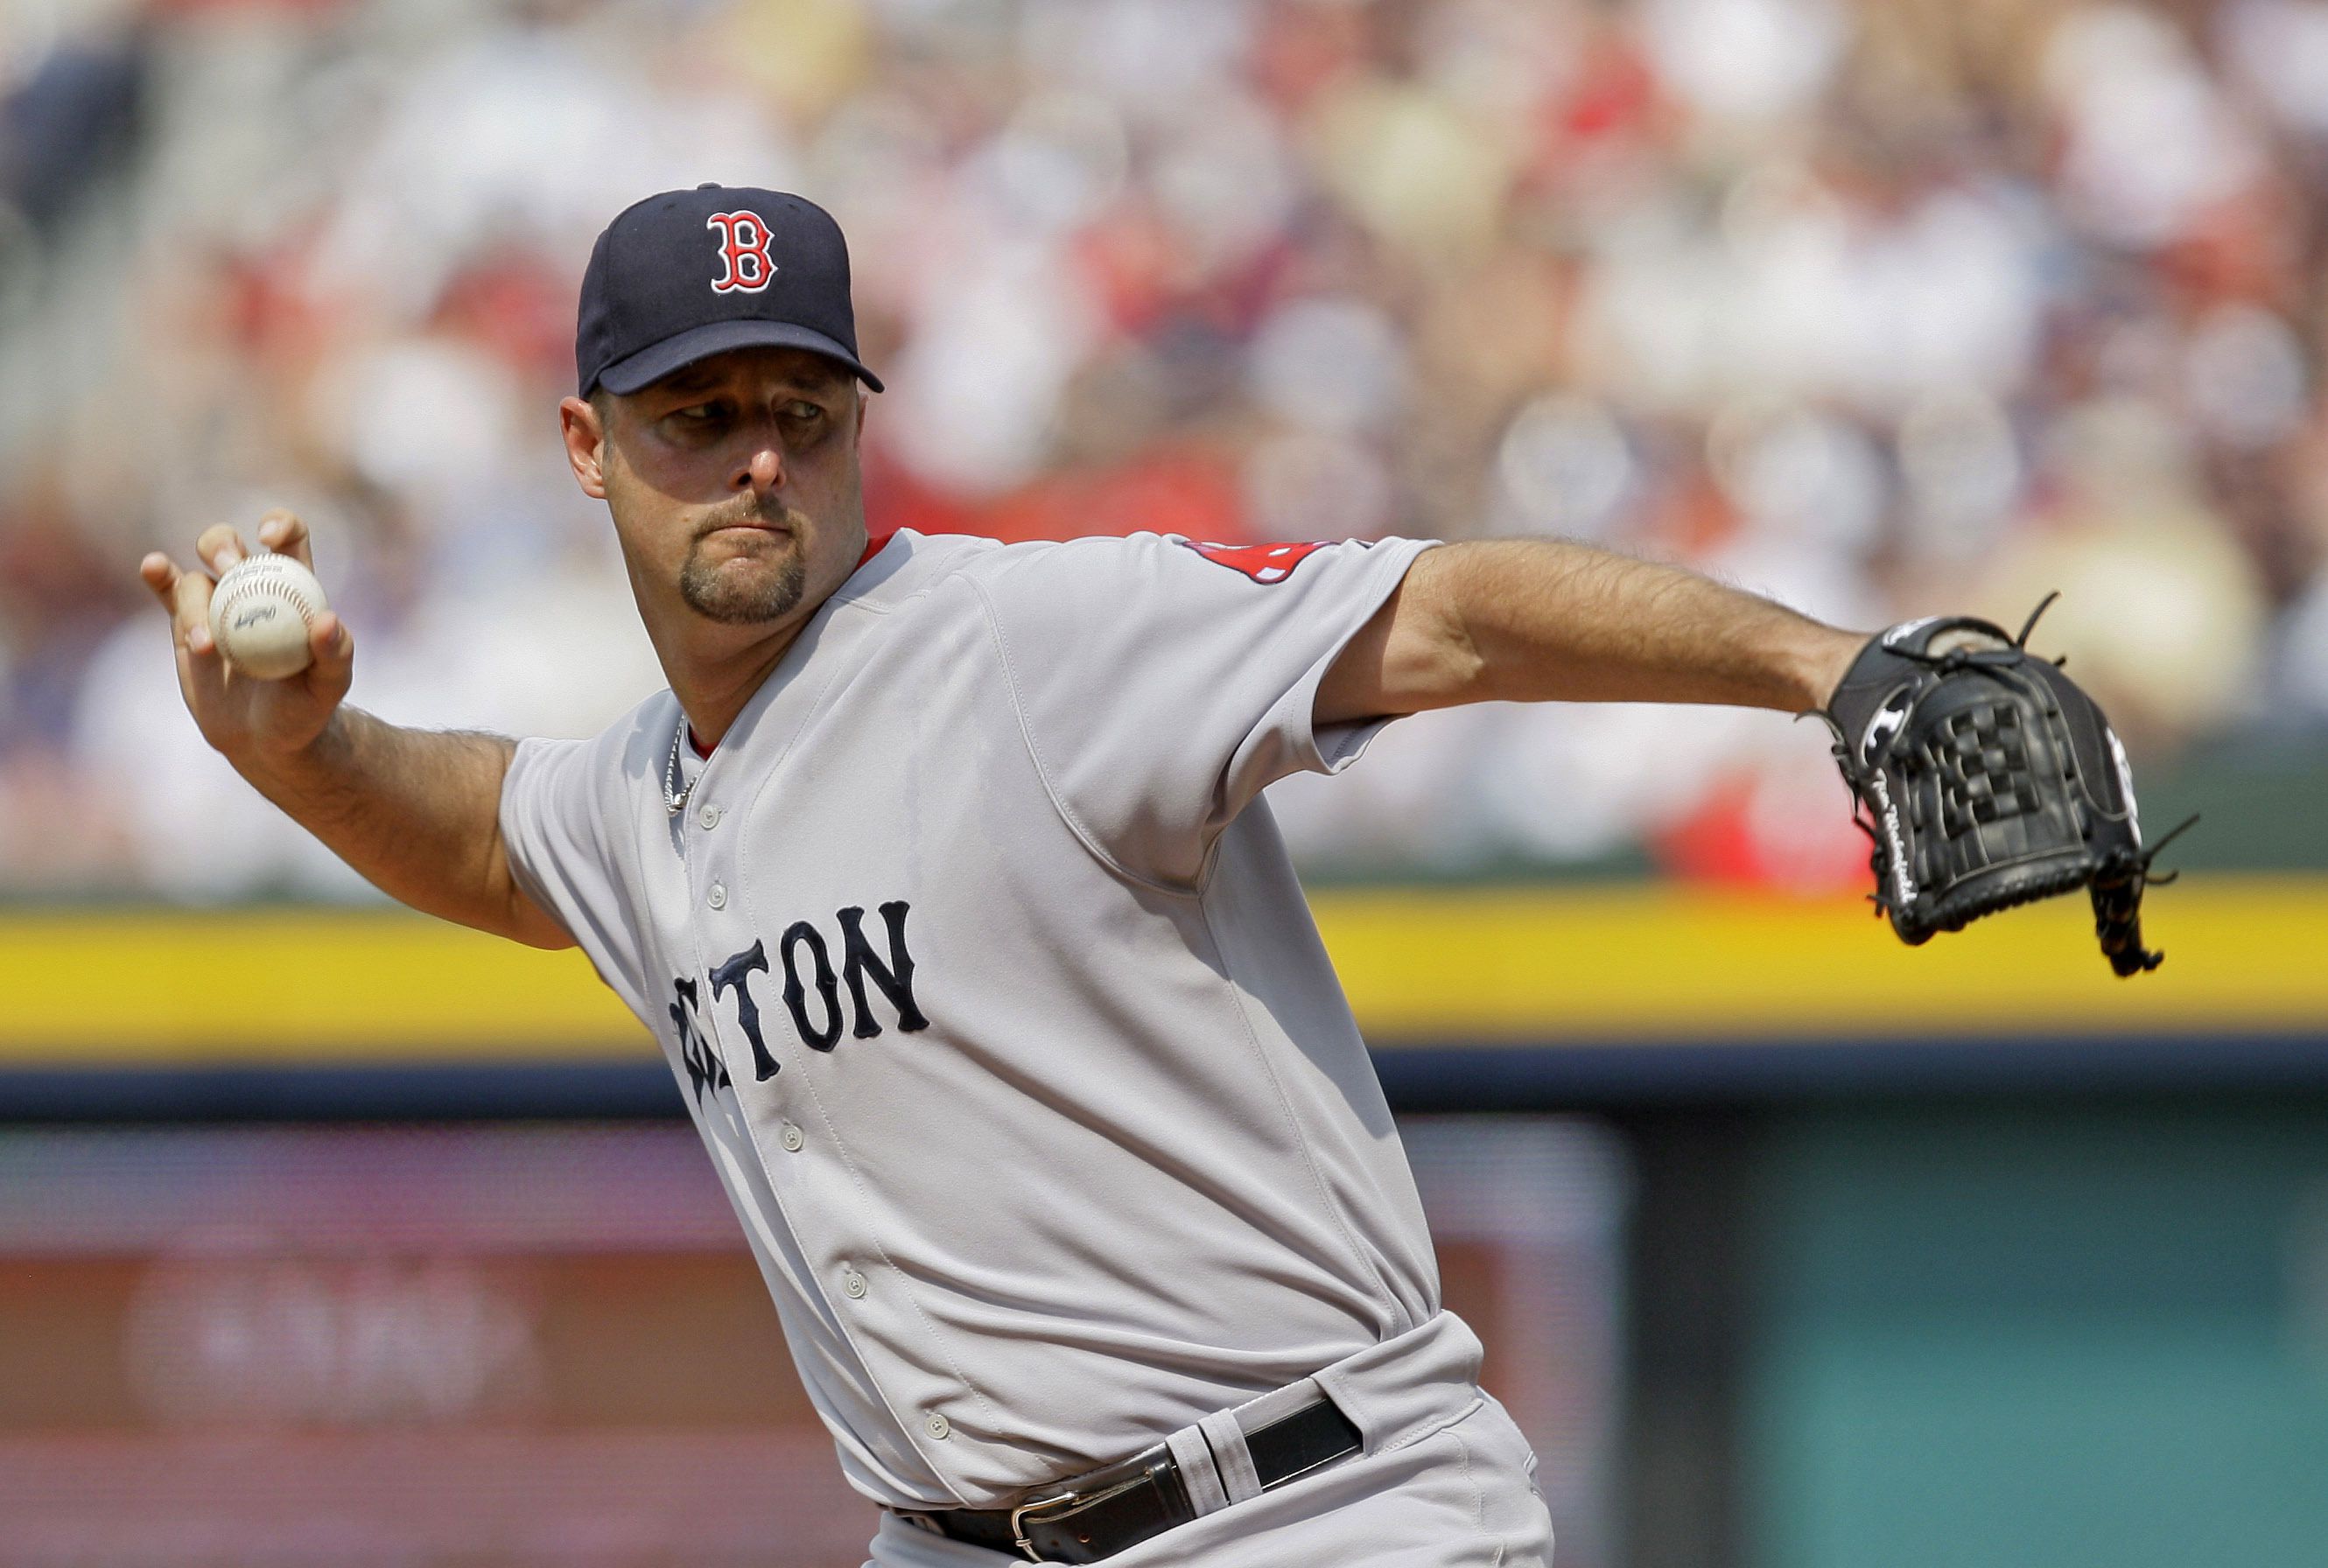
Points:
(284, 534)
(332, 657)
(240, 709)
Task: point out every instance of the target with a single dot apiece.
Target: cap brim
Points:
(656, 361)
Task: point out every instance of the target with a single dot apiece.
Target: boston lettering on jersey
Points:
(810, 994)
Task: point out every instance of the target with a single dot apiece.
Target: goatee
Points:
(762, 592)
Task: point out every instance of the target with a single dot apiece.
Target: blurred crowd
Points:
(1881, 306)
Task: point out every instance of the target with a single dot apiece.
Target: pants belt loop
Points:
(1194, 1455)
(1230, 1455)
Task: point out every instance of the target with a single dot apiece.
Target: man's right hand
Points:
(418, 812)
(252, 722)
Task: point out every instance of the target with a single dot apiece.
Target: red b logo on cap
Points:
(744, 250)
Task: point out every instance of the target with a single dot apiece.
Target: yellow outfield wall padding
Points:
(1644, 962)
(1652, 961)
(293, 985)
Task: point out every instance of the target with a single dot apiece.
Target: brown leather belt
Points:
(1110, 1511)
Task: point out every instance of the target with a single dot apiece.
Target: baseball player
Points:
(940, 872)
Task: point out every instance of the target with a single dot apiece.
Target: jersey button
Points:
(939, 1427)
(792, 1139)
(854, 1284)
(717, 896)
(708, 816)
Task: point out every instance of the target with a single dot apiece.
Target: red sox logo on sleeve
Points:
(743, 251)
(1264, 563)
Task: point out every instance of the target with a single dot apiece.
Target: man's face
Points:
(734, 487)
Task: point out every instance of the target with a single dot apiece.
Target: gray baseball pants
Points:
(1446, 1480)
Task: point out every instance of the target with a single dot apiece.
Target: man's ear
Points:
(864, 401)
(585, 446)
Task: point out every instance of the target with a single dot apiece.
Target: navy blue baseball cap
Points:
(689, 274)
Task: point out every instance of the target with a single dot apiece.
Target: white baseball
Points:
(260, 612)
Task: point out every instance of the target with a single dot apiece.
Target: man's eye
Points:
(804, 411)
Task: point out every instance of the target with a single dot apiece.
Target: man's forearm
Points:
(415, 812)
(1542, 620)
(1552, 620)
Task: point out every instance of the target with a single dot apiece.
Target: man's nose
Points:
(762, 470)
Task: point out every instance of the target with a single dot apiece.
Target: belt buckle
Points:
(1018, 1522)
(1098, 1488)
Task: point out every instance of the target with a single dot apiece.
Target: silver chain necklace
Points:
(674, 794)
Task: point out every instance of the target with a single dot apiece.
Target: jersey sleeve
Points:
(555, 814)
(1162, 684)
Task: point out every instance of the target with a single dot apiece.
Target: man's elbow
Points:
(1414, 653)
(1431, 658)
(529, 923)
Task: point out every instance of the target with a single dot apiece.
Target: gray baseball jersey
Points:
(997, 1002)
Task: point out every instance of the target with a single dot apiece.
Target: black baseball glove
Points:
(1985, 779)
